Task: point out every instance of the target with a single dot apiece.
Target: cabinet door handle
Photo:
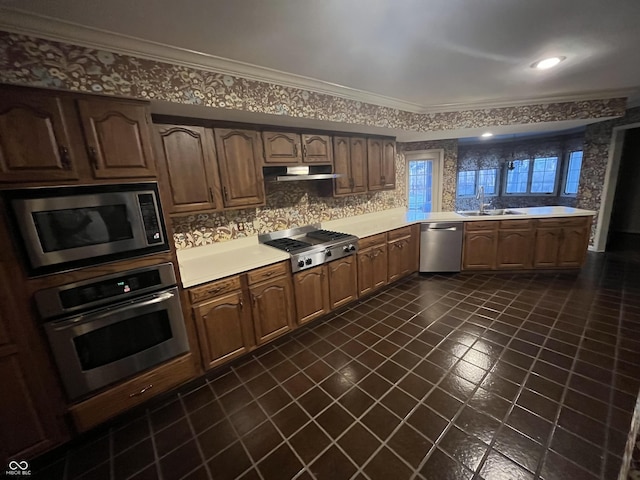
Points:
(241, 304)
(254, 299)
(93, 156)
(295, 150)
(268, 274)
(214, 290)
(211, 194)
(383, 179)
(304, 150)
(64, 157)
(226, 193)
(137, 394)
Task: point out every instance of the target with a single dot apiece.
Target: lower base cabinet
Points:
(561, 242)
(343, 281)
(515, 243)
(402, 252)
(272, 308)
(312, 294)
(372, 264)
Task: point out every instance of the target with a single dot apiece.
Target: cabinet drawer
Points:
(208, 290)
(265, 273)
(367, 242)
(127, 395)
(516, 224)
(564, 222)
(481, 225)
(399, 233)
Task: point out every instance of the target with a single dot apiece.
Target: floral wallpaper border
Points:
(27, 60)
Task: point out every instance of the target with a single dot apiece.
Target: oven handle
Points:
(92, 317)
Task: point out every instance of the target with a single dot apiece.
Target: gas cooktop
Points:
(310, 245)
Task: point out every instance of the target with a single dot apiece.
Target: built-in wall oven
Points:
(111, 327)
(70, 227)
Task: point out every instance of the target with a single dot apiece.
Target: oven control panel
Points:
(310, 259)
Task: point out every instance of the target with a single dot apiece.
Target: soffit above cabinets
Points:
(440, 55)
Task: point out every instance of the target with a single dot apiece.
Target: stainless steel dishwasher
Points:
(441, 247)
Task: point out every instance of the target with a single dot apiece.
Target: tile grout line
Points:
(194, 435)
(153, 446)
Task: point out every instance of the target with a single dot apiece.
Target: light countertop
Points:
(211, 262)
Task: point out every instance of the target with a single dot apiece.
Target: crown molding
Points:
(27, 23)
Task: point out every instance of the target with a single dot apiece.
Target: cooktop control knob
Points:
(345, 248)
(308, 261)
(300, 263)
(328, 252)
(351, 247)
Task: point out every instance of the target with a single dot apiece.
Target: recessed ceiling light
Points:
(487, 135)
(547, 63)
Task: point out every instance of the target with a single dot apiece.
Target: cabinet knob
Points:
(93, 156)
(64, 157)
(226, 193)
(241, 304)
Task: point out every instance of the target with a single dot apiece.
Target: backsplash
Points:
(289, 204)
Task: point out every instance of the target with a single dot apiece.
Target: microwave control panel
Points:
(150, 218)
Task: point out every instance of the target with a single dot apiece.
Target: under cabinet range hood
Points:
(299, 172)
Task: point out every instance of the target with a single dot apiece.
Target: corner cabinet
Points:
(117, 137)
(381, 164)
(350, 162)
(240, 161)
(188, 166)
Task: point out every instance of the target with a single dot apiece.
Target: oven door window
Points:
(82, 227)
(122, 339)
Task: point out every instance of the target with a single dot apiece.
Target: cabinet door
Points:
(343, 281)
(312, 293)
(388, 165)
(379, 266)
(365, 271)
(342, 166)
(479, 250)
(358, 165)
(272, 308)
(547, 244)
(514, 249)
(118, 138)
(281, 148)
(188, 163)
(400, 258)
(222, 329)
(239, 159)
(27, 412)
(375, 153)
(34, 139)
(573, 246)
(317, 149)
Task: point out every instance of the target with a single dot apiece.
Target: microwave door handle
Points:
(92, 317)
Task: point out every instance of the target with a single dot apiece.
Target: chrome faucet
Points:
(480, 198)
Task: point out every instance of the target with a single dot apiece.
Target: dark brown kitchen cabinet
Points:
(240, 161)
(223, 328)
(282, 148)
(188, 166)
(316, 149)
(117, 137)
(272, 305)
(402, 252)
(343, 281)
(372, 263)
(312, 293)
(35, 144)
(561, 242)
(381, 164)
(480, 245)
(350, 162)
(515, 244)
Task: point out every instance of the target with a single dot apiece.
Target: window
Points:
(470, 180)
(420, 185)
(573, 173)
(532, 176)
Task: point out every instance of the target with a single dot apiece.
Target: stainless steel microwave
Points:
(71, 227)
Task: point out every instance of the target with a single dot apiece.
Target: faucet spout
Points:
(480, 198)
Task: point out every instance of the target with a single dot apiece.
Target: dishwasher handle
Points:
(450, 229)
(442, 227)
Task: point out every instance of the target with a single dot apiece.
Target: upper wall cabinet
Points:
(187, 161)
(282, 148)
(41, 137)
(35, 144)
(381, 164)
(350, 162)
(117, 136)
(240, 159)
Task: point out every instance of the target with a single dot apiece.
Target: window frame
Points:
(565, 173)
(437, 172)
(528, 193)
(476, 176)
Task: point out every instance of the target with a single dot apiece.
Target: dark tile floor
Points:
(438, 377)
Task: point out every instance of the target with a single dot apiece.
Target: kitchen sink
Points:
(499, 211)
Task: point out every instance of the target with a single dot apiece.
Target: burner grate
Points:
(287, 244)
(325, 235)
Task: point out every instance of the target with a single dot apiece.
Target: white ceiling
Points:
(414, 54)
